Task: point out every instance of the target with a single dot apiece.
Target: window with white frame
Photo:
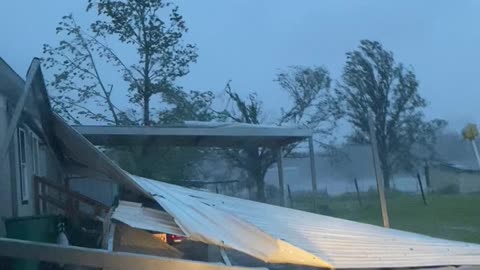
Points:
(23, 168)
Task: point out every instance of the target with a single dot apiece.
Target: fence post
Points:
(290, 199)
(421, 188)
(358, 191)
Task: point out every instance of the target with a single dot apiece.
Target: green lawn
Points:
(450, 216)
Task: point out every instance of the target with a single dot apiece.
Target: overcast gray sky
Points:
(249, 41)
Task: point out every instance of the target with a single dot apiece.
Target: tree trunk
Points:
(260, 181)
(146, 110)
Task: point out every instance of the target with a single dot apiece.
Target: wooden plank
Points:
(74, 195)
(99, 258)
(56, 202)
(313, 169)
(17, 113)
(225, 258)
(111, 237)
(43, 208)
(36, 199)
(378, 172)
(281, 183)
(106, 227)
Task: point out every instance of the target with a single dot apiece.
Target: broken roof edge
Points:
(241, 235)
(221, 135)
(225, 130)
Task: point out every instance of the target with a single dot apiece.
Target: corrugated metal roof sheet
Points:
(342, 243)
(134, 215)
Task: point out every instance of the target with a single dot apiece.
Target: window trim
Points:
(35, 151)
(23, 165)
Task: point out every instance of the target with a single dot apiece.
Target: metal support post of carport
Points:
(313, 170)
(281, 183)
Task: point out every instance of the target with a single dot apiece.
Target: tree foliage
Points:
(80, 90)
(162, 55)
(373, 81)
(308, 89)
(161, 58)
(88, 76)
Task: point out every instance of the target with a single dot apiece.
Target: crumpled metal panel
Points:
(136, 216)
(336, 242)
(202, 222)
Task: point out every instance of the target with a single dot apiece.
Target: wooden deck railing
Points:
(68, 201)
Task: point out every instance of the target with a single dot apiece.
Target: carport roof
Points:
(212, 134)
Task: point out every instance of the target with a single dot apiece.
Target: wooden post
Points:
(313, 170)
(378, 172)
(36, 193)
(358, 192)
(43, 191)
(17, 113)
(421, 188)
(280, 175)
(225, 258)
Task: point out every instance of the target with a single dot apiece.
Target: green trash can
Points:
(32, 228)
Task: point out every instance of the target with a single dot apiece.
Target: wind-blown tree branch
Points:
(373, 81)
(194, 106)
(162, 55)
(80, 91)
(308, 90)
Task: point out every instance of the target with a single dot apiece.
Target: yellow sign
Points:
(470, 132)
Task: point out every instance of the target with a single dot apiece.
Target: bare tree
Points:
(308, 89)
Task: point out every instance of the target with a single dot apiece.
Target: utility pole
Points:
(378, 172)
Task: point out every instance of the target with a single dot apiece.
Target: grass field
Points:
(449, 216)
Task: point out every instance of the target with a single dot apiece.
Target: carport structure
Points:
(207, 134)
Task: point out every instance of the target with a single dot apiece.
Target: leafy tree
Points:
(84, 91)
(170, 163)
(162, 57)
(373, 81)
(308, 90)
